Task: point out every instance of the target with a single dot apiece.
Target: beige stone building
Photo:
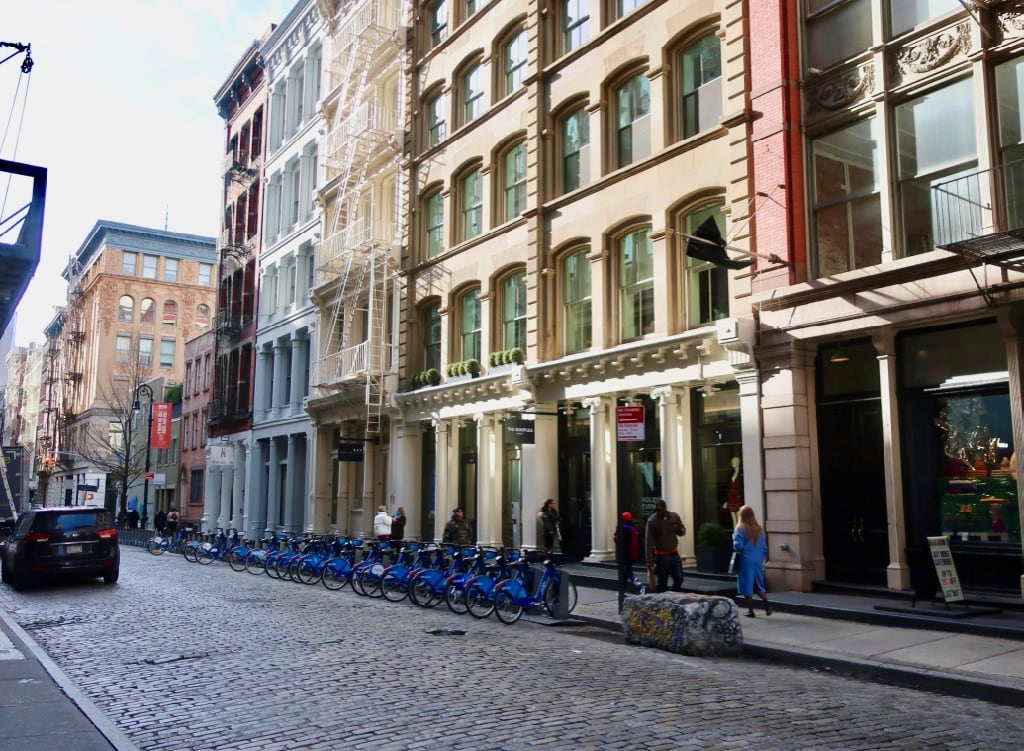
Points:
(557, 340)
(135, 295)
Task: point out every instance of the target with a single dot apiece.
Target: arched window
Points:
(432, 336)
(513, 311)
(513, 174)
(575, 149)
(471, 205)
(707, 283)
(469, 325)
(147, 314)
(434, 222)
(700, 94)
(170, 313)
(632, 120)
(203, 316)
(513, 62)
(126, 309)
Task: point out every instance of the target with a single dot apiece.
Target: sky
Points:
(120, 111)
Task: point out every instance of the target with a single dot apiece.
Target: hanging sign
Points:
(350, 451)
(222, 456)
(160, 438)
(946, 569)
(519, 431)
(630, 422)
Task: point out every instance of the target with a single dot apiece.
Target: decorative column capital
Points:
(665, 394)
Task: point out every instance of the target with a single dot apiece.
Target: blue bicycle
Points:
(159, 545)
(513, 596)
(480, 589)
(337, 572)
(395, 579)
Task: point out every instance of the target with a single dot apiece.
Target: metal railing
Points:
(977, 204)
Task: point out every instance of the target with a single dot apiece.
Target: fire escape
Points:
(73, 355)
(356, 261)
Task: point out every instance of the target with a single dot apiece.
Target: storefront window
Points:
(719, 457)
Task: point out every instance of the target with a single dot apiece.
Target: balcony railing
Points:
(340, 366)
(981, 214)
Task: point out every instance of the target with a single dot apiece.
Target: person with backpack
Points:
(628, 550)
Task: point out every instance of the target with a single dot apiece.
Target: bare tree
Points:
(113, 435)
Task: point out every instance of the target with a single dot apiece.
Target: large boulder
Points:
(690, 624)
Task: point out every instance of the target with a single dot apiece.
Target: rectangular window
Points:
(128, 263)
(575, 24)
(123, 351)
(472, 205)
(513, 312)
(936, 152)
(907, 14)
(847, 203)
(515, 56)
(435, 225)
(145, 351)
(469, 320)
(837, 31)
(576, 139)
(472, 94)
(708, 284)
(636, 271)
(623, 7)
(702, 85)
(167, 353)
(205, 274)
(170, 269)
(576, 320)
(1010, 95)
(432, 338)
(115, 435)
(633, 100)
(195, 488)
(438, 22)
(149, 264)
(515, 181)
(435, 120)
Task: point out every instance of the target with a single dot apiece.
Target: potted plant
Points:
(433, 376)
(473, 367)
(516, 356)
(713, 548)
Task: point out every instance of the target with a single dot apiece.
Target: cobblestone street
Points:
(182, 656)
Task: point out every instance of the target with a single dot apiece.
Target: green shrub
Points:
(712, 535)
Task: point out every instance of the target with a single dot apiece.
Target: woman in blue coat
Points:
(749, 542)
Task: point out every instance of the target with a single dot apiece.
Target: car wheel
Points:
(111, 576)
(5, 575)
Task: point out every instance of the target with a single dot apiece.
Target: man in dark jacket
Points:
(628, 550)
(458, 531)
(664, 528)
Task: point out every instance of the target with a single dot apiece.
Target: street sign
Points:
(150, 475)
(518, 430)
(350, 451)
(630, 423)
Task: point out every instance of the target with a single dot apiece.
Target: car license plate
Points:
(72, 549)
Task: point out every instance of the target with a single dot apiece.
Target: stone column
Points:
(273, 486)
(488, 480)
(604, 483)
(294, 470)
(406, 467)
(1011, 324)
(211, 496)
(676, 470)
(300, 346)
(257, 500)
(238, 516)
(443, 505)
(897, 574)
(226, 478)
(540, 471)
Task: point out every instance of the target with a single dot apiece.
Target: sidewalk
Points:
(40, 707)
(990, 668)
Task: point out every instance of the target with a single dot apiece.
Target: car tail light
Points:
(107, 534)
(37, 537)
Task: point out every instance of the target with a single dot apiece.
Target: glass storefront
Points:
(718, 454)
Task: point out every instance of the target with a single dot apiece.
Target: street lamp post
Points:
(146, 390)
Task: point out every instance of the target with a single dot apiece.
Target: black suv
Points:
(64, 541)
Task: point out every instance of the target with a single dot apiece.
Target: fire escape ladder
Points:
(379, 350)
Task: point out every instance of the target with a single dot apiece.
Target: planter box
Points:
(713, 560)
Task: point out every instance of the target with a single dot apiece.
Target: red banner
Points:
(160, 438)
(630, 423)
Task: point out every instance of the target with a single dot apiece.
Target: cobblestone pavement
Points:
(182, 656)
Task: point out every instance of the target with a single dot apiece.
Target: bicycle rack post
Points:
(562, 609)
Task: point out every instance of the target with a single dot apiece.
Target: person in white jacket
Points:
(382, 524)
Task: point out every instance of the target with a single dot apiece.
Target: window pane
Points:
(515, 62)
(848, 222)
(205, 274)
(149, 267)
(702, 89)
(124, 348)
(125, 309)
(146, 351)
(438, 22)
(636, 279)
(633, 106)
(146, 312)
(470, 322)
(473, 94)
(432, 338)
(166, 354)
(1010, 93)
(839, 33)
(435, 225)
(203, 317)
(576, 136)
(128, 261)
(576, 25)
(707, 284)
(576, 296)
(906, 14)
(170, 313)
(170, 269)
(515, 181)
(435, 115)
(472, 206)
(514, 312)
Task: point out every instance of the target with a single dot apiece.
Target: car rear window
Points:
(78, 521)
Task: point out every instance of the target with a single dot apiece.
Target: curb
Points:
(904, 676)
(106, 728)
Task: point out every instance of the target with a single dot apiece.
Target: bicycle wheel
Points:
(190, 553)
(270, 567)
(334, 577)
(455, 598)
(307, 573)
(393, 587)
(154, 547)
(478, 602)
(236, 560)
(370, 580)
(356, 580)
(423, 594)
(551, 597)
(205, 556)
(255, 564)
(506, 608)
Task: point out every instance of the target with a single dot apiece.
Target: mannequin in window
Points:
(734, 500)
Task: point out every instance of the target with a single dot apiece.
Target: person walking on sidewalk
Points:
(458, 530)
(751, 545)
(664, 528)
(548, 517)
(382, 524)
(628, 550)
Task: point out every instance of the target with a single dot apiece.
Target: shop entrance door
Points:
(855, 530)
